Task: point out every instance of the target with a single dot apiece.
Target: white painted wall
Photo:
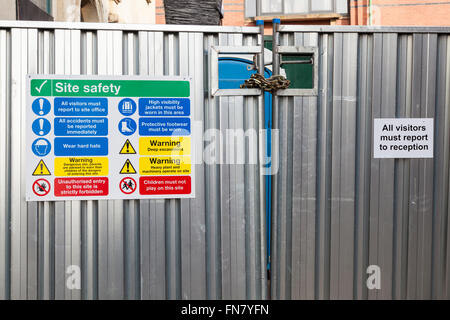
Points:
(8, 11)
(132, 11)
(120, 11)
(66, 10)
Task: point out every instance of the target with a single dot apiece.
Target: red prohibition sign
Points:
(41, 187)
(128, 185)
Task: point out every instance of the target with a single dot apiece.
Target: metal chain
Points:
(271, 84)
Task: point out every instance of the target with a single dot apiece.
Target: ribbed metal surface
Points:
(207, 247)
(336, 210)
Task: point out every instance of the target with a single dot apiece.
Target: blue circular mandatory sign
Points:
(41, 106)
(127, 126)
(41, 127)
(127, 107)
(41, 147)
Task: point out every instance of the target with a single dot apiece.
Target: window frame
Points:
(49, 7)
(272, 13)
(314, 52)
(284, 13)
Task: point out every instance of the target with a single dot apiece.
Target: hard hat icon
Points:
(41, 147)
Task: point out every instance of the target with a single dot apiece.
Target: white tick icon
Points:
(40, 88)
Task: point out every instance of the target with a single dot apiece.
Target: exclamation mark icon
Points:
(128, 168)
(42, 168)
(41, 106)
(128, 146)
(41, 127)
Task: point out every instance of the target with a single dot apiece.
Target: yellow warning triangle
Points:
(41, 169)
(128, 168)
(127, 148)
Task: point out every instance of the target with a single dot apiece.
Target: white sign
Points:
(100, 137)
(403, 138)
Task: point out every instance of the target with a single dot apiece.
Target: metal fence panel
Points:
(203, 248)
(337, 210)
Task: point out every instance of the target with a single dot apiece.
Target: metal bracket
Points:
(254, 65)
(214, 53)
(314, 51)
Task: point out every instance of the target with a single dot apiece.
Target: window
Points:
(271, 6)
(44, 5)
(318, 6)
(36, 10)
(294, 7)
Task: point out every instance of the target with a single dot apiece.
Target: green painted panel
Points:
(301, 75)
(109, 88)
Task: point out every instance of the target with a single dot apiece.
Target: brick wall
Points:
(384, 12)
(401, 12)
(234, 13)
(160, 18)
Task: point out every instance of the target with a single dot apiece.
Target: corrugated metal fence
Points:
(336, 209)
(207, 247)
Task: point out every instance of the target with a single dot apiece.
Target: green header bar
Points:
(110, 88)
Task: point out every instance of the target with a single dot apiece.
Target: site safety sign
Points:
(100, 137)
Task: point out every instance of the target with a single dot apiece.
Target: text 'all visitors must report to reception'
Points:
(97, 137)
(403, 138)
